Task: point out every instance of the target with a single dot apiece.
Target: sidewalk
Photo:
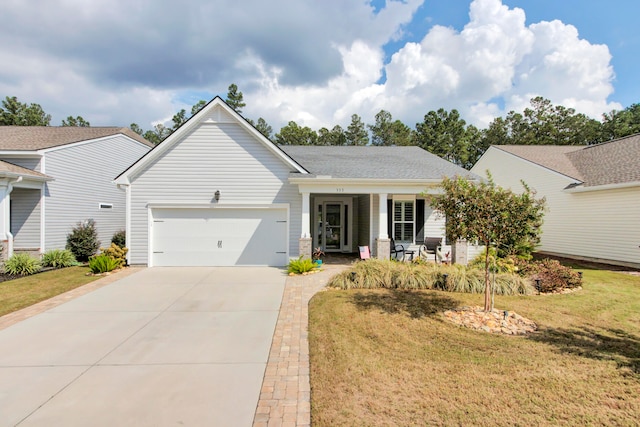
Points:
(285, 396)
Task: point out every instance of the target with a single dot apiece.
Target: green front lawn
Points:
(387, 357)
(26, 291)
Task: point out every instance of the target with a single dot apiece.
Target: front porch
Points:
(341, 223)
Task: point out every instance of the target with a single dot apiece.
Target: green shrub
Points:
(58, 258)
(120, 238)
(102, 264)
(22, 265)
(116, 252)
(553, 276)
(509, 264)
(83, 240)
(300, 265)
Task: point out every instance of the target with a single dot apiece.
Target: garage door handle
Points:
(282, 221)
(220, 243)
(158, 252)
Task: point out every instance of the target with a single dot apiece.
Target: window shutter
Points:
(419, 221)
(390, 214)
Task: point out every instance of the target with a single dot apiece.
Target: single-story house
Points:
(218, 193)
(51, 178)
(592, 192)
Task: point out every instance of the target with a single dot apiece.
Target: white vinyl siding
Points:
(602, 225)
(25, 218)
(31, 162)
(83, 178)
(214, 156)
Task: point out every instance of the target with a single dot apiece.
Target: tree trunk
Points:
(487, 285)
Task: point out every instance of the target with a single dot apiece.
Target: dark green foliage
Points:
(293, 134)
(83, 240)
(553, 276)
(388, 132)
(58, 258)
(22, 265)
(300, 265)
(235, 99)
(356, 133)
(16, 113)
(78, 121)
(102, 264)
(120, 238)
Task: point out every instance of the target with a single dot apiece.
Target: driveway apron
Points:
(163, 346)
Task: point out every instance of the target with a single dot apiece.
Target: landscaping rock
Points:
(495, 321)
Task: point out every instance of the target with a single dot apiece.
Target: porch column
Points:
(6, 239)
(305, 242)
(306, 223)
(383, 248)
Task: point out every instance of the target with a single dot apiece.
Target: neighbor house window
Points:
(105, 205)
(404, 220)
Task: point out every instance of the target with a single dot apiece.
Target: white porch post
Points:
(382, 216)
(383, 244)
(306, 223)
(305, 242)
(6, 239)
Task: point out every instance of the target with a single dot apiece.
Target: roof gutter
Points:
(616, 186)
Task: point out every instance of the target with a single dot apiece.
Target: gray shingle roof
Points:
(612, 162)
(373, 162)
(31, 138)
(10, 168)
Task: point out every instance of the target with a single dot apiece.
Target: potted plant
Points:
(317, 255)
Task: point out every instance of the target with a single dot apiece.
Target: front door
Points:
(333, 233)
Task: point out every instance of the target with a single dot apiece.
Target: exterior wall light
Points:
(217, 195)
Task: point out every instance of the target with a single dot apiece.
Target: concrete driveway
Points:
(163, 346)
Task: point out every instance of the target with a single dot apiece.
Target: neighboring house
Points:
(51, 178)
(217, 192)
(592, 192)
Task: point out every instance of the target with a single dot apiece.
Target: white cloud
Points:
(317, 63)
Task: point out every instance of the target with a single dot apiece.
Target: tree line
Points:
(443, 133)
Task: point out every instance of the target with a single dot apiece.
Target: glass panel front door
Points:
(333, 226)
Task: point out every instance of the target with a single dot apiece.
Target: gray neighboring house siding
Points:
(214, 156)
(26, 211)
(84, 178)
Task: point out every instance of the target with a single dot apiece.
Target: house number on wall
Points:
(339, 190)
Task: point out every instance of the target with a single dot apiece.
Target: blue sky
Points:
(317, 63)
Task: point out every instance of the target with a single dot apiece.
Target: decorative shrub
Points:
(509, 264)
(83, 240)
(22, 265)
(102, 264)
(58, 258)
(120, 238)
(553, 275)
(299, 266)
(117, 253)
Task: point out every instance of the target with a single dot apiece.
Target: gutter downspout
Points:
(9, 236)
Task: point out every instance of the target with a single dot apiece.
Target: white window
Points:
(105, 206)
(404, 219)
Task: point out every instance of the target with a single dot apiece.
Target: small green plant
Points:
(120, 238)
(300, 265)
(102, 264)
(58, 258)
(83, 240)
(116, 252)
(22, 265)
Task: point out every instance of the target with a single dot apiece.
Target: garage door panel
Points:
(219, 237)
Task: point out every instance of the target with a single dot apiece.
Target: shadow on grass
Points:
(416, 304)
(605, 344)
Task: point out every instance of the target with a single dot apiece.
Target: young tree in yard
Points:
(490, 215)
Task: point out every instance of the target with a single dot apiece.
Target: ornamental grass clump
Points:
(301, 265)
(59, 258)
(99, 264)
(22, 265)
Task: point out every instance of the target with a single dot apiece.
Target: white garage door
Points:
(219, 237)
